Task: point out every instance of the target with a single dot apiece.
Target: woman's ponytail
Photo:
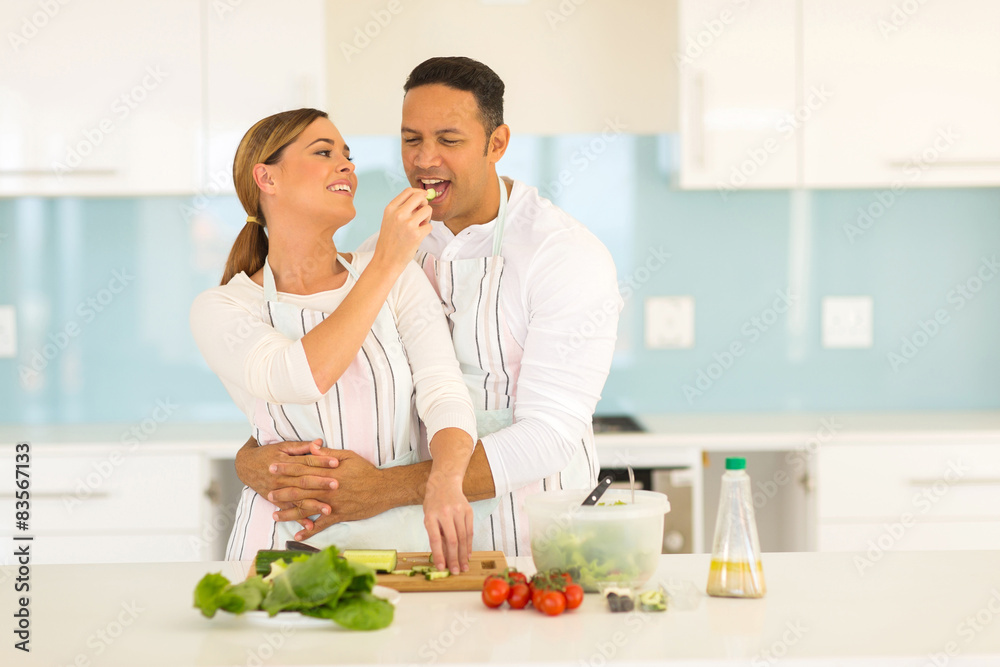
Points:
(248, 252)
(262, 144)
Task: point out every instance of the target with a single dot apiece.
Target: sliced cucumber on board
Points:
(380, 560)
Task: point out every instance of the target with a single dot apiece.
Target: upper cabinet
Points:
(737, 94)
(856, 93)
(112, 97)
(260, 58)
(914, 93)
(568, 66)
(100, 98)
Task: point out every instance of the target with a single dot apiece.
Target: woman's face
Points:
(314, 180)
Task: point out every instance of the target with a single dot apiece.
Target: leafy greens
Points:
(321, 585)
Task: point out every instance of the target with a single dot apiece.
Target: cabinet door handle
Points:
(975, 481)
(50, 172)
(961, 164)
(214, 492)
(34, 495)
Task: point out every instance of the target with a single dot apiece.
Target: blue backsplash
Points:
(102, 288)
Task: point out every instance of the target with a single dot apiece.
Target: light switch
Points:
(669, 322)
(847, 321)
(8, 332)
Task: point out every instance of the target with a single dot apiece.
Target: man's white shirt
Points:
(559, 296)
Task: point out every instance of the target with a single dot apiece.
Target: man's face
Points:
(444, 147)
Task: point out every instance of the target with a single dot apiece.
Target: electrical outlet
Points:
(847, 321)
(8, 332)
(669, 322)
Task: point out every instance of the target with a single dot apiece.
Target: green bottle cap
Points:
(736, 463)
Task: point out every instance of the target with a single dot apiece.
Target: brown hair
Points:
(466, 74)
(262, 144)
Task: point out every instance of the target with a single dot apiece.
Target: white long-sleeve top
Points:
(253, 360)
(559, 296)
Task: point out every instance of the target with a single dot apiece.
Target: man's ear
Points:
(262, 177)
(497, 145)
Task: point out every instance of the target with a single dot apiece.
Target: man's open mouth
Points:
(440, 187)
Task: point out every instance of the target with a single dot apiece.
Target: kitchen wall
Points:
(102, 288)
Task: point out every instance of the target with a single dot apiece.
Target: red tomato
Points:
(495, 591)
(536, 598)
(574, 596)
(518, 577)
(567, 577)
(519, 596)
(553, 603)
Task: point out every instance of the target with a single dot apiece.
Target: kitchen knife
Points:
(599, 490)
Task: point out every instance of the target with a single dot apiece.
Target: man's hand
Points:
(396, 487)
(288, 464)
(355, 490)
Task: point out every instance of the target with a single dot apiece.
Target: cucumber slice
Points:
(262, 563)
(380, 560)
(423, 569)
(436, 574)
(407, 573)
(652, 601)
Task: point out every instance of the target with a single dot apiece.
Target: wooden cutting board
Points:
(481, 565)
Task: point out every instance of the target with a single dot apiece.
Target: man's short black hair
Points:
(463, 73)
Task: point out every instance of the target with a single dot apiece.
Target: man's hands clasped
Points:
(305, 480)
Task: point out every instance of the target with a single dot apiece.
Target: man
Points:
(532, 301)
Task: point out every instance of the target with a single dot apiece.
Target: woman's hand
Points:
(405, 224)
(447, 513)
(448, 519)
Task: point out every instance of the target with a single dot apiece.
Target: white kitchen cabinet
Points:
(568, 66)
(114, 504)
(914, 93)
(260, 58)
(738, 98)
(908, 497)
(100, 98)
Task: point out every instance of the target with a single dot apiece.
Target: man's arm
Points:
(573, 303)
(363, 490)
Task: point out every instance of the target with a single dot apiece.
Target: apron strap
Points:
(501, 218)
(347, 265)
(271, 292)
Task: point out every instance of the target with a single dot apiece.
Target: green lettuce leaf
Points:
(208, 593)
(316, 580)
(356, 611)
(363, 580)
(214, 592)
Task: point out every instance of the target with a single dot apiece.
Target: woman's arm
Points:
(444, 406)
(248, 354)
(331, 346)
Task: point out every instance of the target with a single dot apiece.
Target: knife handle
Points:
(599, 490)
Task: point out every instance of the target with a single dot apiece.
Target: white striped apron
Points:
(490, 358)
(370, 410)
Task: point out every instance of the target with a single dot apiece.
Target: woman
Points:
(313, 344)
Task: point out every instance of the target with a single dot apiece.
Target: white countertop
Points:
(818, 611)
(670, 440)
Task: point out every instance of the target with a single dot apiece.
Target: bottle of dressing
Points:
(736, 571)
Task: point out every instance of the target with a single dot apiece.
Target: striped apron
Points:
(371, 410)
(490, 358)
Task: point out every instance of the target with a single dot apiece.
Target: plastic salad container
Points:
(614, 541)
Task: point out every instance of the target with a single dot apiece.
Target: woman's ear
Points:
(263, 178)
